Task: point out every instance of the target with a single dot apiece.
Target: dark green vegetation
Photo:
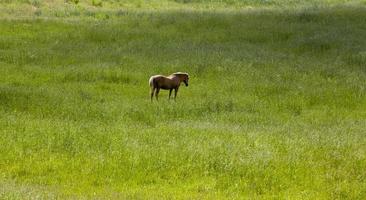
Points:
(276, 106)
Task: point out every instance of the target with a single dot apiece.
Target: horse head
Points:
(183, 77)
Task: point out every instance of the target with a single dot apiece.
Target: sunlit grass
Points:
(276, 106)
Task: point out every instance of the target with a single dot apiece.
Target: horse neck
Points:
(179, 78)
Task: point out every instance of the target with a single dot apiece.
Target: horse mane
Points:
(180, 73)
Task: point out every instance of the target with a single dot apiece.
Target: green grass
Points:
(276, 107)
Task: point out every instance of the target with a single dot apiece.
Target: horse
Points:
(170, 82)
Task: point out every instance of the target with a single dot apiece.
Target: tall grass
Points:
(276, 106)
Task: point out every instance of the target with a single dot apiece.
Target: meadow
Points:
(275, 108)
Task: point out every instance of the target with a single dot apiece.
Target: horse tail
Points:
(151, 82)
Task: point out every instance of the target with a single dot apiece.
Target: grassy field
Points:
(276, 107)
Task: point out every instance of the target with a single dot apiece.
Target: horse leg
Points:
(175, 93)
(170, 93)
(152, 93)
(157, 93)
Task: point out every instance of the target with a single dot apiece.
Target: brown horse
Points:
(170, 82)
